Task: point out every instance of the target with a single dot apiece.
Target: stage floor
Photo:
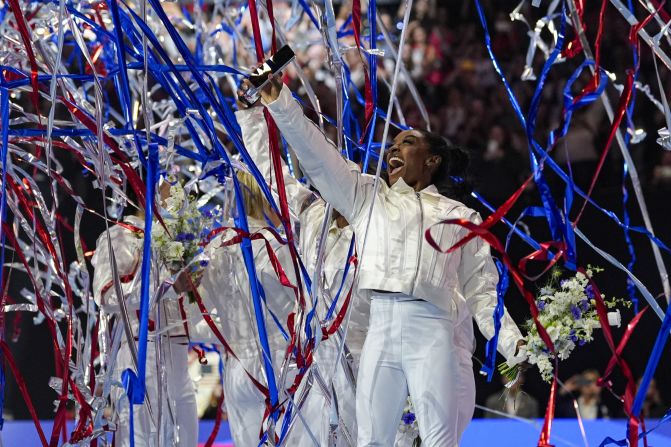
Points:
(481, 432)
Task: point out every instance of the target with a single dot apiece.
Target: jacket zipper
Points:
(419, 241)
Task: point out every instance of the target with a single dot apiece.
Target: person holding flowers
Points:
(167, 353)
(415, 290)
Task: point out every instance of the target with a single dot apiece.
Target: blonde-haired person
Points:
(226, 292)
(317, 416)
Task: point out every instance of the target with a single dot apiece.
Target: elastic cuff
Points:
(282, 100)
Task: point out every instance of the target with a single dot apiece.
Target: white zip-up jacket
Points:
(227, 295)
(127, 248)
(310, 210)
(397, 257)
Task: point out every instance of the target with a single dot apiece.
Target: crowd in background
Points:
(447, 60)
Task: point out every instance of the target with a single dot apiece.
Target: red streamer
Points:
(368, 91)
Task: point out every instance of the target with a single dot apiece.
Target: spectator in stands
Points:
(500, 168)
(653, 406)
(514, 402)
(583, 389)
(662, 172)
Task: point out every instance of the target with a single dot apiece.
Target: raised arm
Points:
(339, 182)
(479, 277)
(255, 136)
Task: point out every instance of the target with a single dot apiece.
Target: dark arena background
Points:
(562, 106)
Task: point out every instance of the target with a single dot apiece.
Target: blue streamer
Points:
(553, 216)
(631, 288)
(4, 112)
(308, 11)
(653, 361)
(134, 384)
(489, 365)
(624, 442)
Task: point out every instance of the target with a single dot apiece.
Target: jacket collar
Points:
(402, 187)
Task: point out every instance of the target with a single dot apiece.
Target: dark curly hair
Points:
(451, 178)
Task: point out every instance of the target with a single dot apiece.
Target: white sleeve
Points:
(214, 291)
(256, 138)
(127, 256)
(479, 277)
(338, 182)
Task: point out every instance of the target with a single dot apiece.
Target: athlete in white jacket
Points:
(179, 425)
(309, 211)
(415, 289)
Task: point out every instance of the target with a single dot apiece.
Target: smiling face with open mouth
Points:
(410, 158)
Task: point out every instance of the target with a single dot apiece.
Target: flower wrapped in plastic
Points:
(178, 241)
(408, 428)
(567, 311)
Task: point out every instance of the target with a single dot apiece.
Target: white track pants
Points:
(466, 392)
(245, 404)
(409, 349)
(316, 412)
(180, 402)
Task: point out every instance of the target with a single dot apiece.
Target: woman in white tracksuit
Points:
(226, 293)
(415, 290)
(178, 403)
(309, 210)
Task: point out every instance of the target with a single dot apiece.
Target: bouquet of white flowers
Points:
(178, 244)
(408, 426)
(567, 311)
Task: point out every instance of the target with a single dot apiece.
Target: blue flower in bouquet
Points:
(185, 237)
(589, 291)
(573, 336)
(576, 312)
(541, 305)
(563, 283)
(584, 305)
(204, 233)
(408, 418)
(204, 263)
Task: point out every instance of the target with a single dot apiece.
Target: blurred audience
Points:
(513, 401)
(582, 389)
(653, 406)
(447, 60)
